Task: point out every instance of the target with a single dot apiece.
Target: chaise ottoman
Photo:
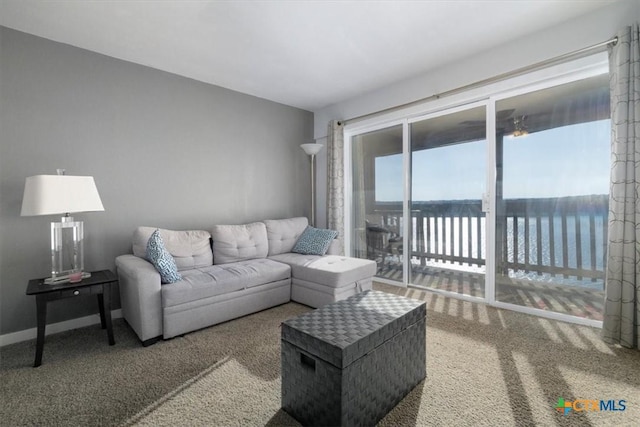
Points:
(319, 280)
(350, 362)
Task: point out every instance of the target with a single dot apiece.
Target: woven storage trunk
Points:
(350, 362)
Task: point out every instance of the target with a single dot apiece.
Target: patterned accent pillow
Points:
(162, 259)
(314, 241)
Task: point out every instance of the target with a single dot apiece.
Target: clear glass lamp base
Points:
(67, 252)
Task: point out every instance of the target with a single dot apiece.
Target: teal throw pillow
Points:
(314, 241)
(161, 259)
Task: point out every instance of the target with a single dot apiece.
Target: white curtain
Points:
(622, 304)
(335, 180)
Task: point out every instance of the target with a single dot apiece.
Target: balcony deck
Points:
(561, 240)
(571, 300)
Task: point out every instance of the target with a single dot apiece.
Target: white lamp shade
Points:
(60, 194)
(312, 149)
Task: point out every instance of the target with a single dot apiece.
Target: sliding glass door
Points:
(377, 194)
(448, 175)
(552, 187)
(503, 199)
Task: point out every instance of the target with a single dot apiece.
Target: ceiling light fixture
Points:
(519, 128)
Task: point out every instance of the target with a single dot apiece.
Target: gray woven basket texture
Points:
(382, 335)
(346, 330)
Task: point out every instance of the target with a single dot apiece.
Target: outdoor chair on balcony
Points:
(382, 244)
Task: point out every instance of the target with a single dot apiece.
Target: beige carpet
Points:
(484, 367)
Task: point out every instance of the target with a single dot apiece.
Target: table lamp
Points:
(63, 194)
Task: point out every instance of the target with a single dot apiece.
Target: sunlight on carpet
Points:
(227, 393)
(485, 367)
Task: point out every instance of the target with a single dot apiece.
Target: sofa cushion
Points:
(329, 270)
(232, 243)
(314, 241)
(162, 259)
(284, 233)
(221, 279)
(190, 249)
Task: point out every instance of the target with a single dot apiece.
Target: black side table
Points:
(98, 284)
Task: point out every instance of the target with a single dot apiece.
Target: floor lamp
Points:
(312, 149)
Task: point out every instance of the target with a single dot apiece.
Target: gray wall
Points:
(164, 150)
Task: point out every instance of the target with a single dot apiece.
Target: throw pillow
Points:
(314, 241)
(162, 259)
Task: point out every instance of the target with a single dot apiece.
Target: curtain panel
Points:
(622, 301)
(335, 180)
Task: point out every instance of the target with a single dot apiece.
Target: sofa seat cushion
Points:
(284, 233)
(329, 270)
(190, 249)
(222, 279)
(233, 243)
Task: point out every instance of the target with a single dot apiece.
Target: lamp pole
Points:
(312, 150)
(312, 159)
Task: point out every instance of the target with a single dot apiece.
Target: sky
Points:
(565, 161)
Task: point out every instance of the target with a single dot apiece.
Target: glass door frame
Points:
(585, 73)
(348, 188)
(579, 69)
(490, 175)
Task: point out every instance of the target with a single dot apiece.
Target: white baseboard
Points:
(54, 328)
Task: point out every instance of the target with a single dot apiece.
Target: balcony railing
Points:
(563, 236)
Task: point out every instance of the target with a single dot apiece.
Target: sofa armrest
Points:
(140, 296)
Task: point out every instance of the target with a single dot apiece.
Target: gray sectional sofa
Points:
(232, 271)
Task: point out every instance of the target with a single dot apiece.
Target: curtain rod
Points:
(539, 65)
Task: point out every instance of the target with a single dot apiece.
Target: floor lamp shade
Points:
(312, 149)
(63, 195)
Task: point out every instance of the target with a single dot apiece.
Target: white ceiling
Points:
(307, 54)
